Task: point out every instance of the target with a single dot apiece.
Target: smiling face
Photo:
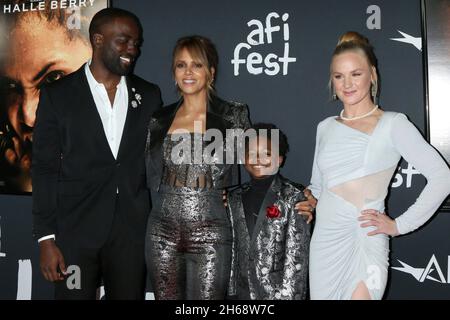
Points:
(119, 45)
(352, 76)
(259, 162)
(38, 52)
(191, 74)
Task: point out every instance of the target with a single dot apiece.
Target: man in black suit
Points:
(90, 201)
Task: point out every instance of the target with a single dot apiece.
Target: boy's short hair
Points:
(283, 143)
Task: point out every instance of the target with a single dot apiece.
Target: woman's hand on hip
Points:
(379, 220)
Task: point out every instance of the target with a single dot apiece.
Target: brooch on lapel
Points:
(272, 211)
(138, 97)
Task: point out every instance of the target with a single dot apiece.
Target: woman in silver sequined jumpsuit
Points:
(189, 238)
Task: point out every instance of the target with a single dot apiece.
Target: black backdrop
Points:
(296, 102)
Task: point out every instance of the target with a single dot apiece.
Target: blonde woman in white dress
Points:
(356, 156)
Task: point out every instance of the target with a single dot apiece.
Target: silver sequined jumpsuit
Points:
(189, 234)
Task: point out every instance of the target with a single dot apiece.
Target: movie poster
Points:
(40, 42)
(436, 24)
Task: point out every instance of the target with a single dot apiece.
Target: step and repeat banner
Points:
(274, 56)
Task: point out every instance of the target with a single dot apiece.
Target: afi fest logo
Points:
(404, 176)
(263, 33)
(431, 272)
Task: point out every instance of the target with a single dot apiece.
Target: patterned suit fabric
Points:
(274, 259)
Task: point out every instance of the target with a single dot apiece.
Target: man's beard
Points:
(114, 65)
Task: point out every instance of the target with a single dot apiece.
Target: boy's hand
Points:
(306, 208)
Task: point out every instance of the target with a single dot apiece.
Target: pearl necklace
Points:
(341, 115)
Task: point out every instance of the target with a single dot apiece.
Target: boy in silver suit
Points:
(271, 240)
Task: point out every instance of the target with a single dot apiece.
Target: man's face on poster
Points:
(39, 52)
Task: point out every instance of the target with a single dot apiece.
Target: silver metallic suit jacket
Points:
(274, 259)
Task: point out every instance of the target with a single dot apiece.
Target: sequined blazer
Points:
(274, 259)
(221, 115)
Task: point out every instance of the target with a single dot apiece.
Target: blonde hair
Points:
(354, 41)
(202, 50)
(352, 36)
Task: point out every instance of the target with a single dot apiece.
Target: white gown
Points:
(351, 172)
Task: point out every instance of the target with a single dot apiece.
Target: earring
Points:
(176, 83)
(374, 91)
(334, 96)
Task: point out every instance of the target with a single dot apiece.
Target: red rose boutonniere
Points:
(273, 211)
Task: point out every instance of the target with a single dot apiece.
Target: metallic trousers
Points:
(188, 244)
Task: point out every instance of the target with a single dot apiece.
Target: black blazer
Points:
(220, 115)
(74, 173)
